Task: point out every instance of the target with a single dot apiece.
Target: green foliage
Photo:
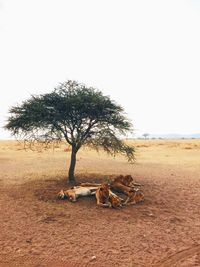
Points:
(75, 112)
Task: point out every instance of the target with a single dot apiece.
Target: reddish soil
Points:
(39, 230)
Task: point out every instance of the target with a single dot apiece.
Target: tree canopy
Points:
(79, 114)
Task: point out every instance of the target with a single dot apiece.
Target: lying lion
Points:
(115, 200)
(124, 184)
(134, 197)
(106, 198)
(73, 193)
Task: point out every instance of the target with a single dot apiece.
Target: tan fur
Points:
(73, 193)
(106, 198)
(124, 184)
(115, 200)
(102, 196)
(134, 197)
(126, 180)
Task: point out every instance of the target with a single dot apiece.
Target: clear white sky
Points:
(144, 54)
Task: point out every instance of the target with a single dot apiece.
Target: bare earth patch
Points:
(37, 229)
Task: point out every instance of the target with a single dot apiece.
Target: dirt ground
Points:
(37, 229)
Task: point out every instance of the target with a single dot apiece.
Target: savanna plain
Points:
(38, 229)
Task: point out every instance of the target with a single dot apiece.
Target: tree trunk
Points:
(72, 165)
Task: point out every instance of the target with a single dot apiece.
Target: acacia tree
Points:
(145, 135)
(79, 114)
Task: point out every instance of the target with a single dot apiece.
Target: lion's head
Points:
(126, 180)
(104, 191)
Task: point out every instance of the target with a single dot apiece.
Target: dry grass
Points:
(19, 165)
(183, 143)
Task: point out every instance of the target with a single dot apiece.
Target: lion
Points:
(134, 197)
(116, 201)
(102, 196)
(125, 180)
(106, 198)
(124, 184)
(75, 192)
